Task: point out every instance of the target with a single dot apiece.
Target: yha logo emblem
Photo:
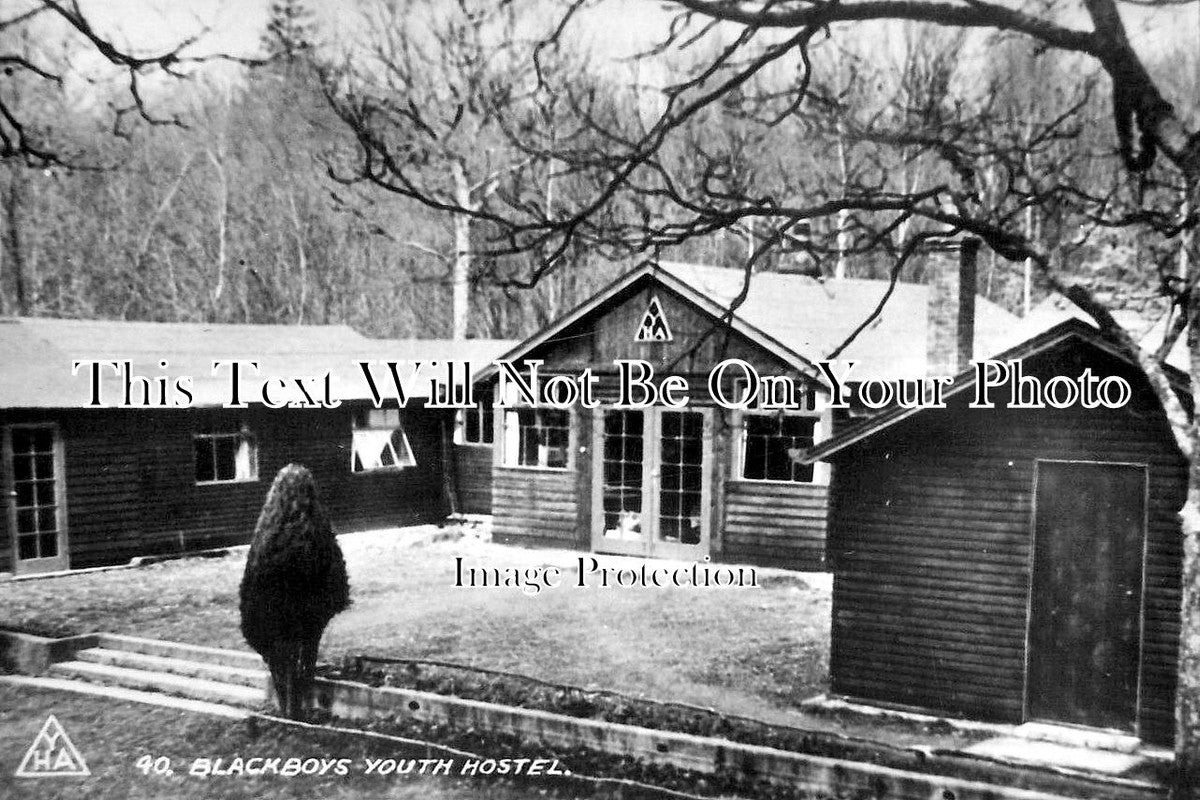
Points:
(52, 755)
(653, 327)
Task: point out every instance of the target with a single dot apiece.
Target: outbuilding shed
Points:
(1013, 564)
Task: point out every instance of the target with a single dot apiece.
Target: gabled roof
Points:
(814, 317)
(1146, 329)
(664, 276)
(1067, 330)
(803, 320)
(36, 355)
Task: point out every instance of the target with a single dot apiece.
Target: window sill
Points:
(528, 468)
(383, 470)
(773, 482)
(488, 445)
(233, 482)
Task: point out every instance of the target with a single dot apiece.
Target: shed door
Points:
(1086, 604)
(33, 486)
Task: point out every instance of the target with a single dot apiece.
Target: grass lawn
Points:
(111, 736)
(751, 651)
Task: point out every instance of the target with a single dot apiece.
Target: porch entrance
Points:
(651, 482)
(35, 498)
(1085, 609)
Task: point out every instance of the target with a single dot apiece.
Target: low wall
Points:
(27, 654)
(823, 776)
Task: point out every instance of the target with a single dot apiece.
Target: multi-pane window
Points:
(474, 425)
(681, 477)
(379, 441)
(623, 464)
(773, 444)
(225, 453)
(537, 437)
(34, 491)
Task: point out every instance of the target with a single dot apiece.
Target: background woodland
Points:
(251, 201)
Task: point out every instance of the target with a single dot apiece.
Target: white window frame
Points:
(819, 474)
(366, 428)
(487, 428)
(245, 465)
(511, 438)
(818, 411)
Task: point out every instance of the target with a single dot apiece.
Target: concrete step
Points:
(1072, 736)
(255, 678)
(125, 695)
(185, 652)
(178, 685)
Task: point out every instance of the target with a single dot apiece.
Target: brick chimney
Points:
(950, 328)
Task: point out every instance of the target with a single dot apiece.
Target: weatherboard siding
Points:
(536, 507)
(102, 458)
(131, 489)
(473, 477)
(775, 524)
(930, 543)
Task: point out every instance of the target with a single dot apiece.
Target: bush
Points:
(295, 582)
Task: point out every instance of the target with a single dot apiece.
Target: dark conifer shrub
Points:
(295, 582)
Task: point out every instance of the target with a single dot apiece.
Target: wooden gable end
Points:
(609, 332)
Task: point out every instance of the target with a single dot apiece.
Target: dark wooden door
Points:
(1086, 604)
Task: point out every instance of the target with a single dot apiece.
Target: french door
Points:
(651, 482)
(35, 497)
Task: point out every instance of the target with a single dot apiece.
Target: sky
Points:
(613, 28)
(623, 25)
(235, 25)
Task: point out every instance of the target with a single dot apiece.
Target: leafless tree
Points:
(33, 71)
(1039, 178)
(436, 104)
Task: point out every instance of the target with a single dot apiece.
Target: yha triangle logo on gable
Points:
(52, 755)
(653, 327)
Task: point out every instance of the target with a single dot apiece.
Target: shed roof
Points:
(1069, 330)
(36, 356)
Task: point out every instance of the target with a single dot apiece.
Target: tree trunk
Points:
(1187, 700)
(460, 281)
(218, 162)
(1187, 705)
(843, 217)
(16, 252)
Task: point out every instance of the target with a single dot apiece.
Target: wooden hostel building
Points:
(88, 486)
(705, 481)
(1013, 564)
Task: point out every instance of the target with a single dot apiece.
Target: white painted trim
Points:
(62, 561)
